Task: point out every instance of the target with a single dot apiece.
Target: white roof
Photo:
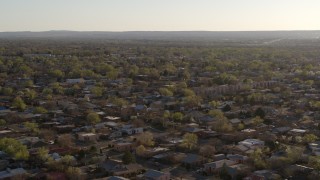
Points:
(298, 130)
(251, 141)
(87, 134)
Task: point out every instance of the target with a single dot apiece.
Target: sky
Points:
(159, 15)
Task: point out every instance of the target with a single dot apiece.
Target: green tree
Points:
(314, 162)
(28, 83)
(43, 154)
(207, 150)
(47, 91)
(56, 73)
(57, 89)
(216, 113)
(214, 104)
(118, 101)
(97, 91)
(19, 104)
(128, 158)
(68, 160)
(3, 122)
(31, 94)
(165, 92)
(309, 138)
(133, 70)
(113, 74)
(93, 118)
(14, 148)
(226, 108)
(33, 127)
(177, 116)
(257, 120)
(192, 101)
(182, 85)
(166, 114)
(309, 82)
(66, 140)
(241, 126)
(140, 150)
(74, 173)
(189, 141)
(47, 134)
(225, 78)
(40, 110)
(146, 139)
(260, 112)
(258, 159)
(7, 91)
(188, 92)
(224, 173)
(222, 124)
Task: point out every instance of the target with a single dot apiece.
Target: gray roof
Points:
(191, 158)
(153, 174)
(11, 172)
(192, 129)
(117, 178)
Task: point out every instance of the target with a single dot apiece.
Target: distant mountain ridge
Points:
(166, 35)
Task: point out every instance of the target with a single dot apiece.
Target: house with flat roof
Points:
(156, 175)
(213, 167)
(12, 173)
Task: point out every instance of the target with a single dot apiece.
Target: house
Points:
(300, 171)
(263, 175)
(61, 150)
(65, 128)
(171, 106)
(139, 107)
(115, 134)
(111, 124)
(174, 140)
(315, 148)
(55, 156)
(235, 122)
(236, 169)
(237, 149)
(154, 151)
(212, 167)
(52, 176)
(218, 157)
(206, 119)
(4, 164)
(193, 160)
(123, 146)
(112, 118)
(28, 141)
(115, 178)
(237, 157)
(156, 175)
(252, 143)
(194, 130)
(246, 146)
(5, 133)
(75, 81)
(12, 173)
(281, 130)
(129, 130)
(248, 122)
(297, 132)
(116, 168)
(157, 106)
(88, 137)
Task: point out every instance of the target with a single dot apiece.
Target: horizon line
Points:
(120, 31)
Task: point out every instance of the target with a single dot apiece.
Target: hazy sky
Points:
(162, 15)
